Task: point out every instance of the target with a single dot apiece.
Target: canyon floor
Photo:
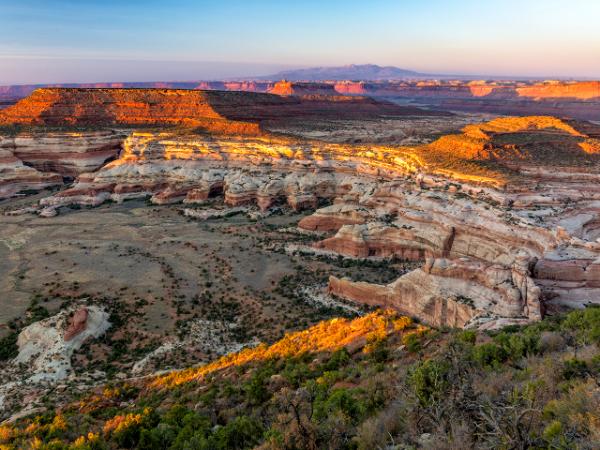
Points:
(179, 291)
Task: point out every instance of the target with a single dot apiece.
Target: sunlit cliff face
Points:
(585, 90)
(507, 141)
(272, 151)
(516, 124)
(476, 156)
(582, 90)
(101, 107)
(481, 90)
(211, 130)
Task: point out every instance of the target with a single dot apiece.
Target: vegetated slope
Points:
(378, 380)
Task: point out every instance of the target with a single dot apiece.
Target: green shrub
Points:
(241, 433)
(8, 346)
(379, 351)
(518, 345)
(296, 372)
(429, 381)
(489, 355)
(162, 436)
(256, 389)
(412, 342)
(574, 368)
(466, 337)
(339, 400)
(338, 358)
(585, 323)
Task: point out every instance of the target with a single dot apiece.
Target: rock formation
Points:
(503, 216)
(580, 100)
(16, 177)
(36, 160)
(286, 88)
(46, 346)
(65, 153)
(77, 323)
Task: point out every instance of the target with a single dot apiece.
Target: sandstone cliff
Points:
(492, 251)
(36, 160)
(286, 88)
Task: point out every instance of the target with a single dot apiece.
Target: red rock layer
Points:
(216, 111)
(351, 88)
(128, 107)
(434, 311)
(294, 88)
(77, 323)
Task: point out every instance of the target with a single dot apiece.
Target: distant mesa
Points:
(285, 88)
(94, 107)
(225, 112)
(584, 90)
(351, 87)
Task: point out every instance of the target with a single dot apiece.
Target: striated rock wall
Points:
(408, 297)
(16, 92)
(204, 109)
(265, 170)
(16, 177)
(564, 99)
(65, 153)
(37, 160)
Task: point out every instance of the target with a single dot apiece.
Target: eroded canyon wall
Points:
(504, 216)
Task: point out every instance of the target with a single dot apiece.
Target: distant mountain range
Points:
(373, 72)
(363, 72)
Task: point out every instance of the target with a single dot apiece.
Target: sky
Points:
(52, 41)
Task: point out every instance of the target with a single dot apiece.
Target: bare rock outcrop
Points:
(46, 346)
(172, 167)
(225, 112)
(16, 177)
(77, 323)
(286, 88)
(37, 160)
(451, 292)
(503, 238)
(65, 153)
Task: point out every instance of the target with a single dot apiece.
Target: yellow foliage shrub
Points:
(123, 421)
(329, 335)
(6, 433)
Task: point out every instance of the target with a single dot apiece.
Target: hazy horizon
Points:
(68, 41)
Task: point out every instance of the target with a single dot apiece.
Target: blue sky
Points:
(128, 40)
